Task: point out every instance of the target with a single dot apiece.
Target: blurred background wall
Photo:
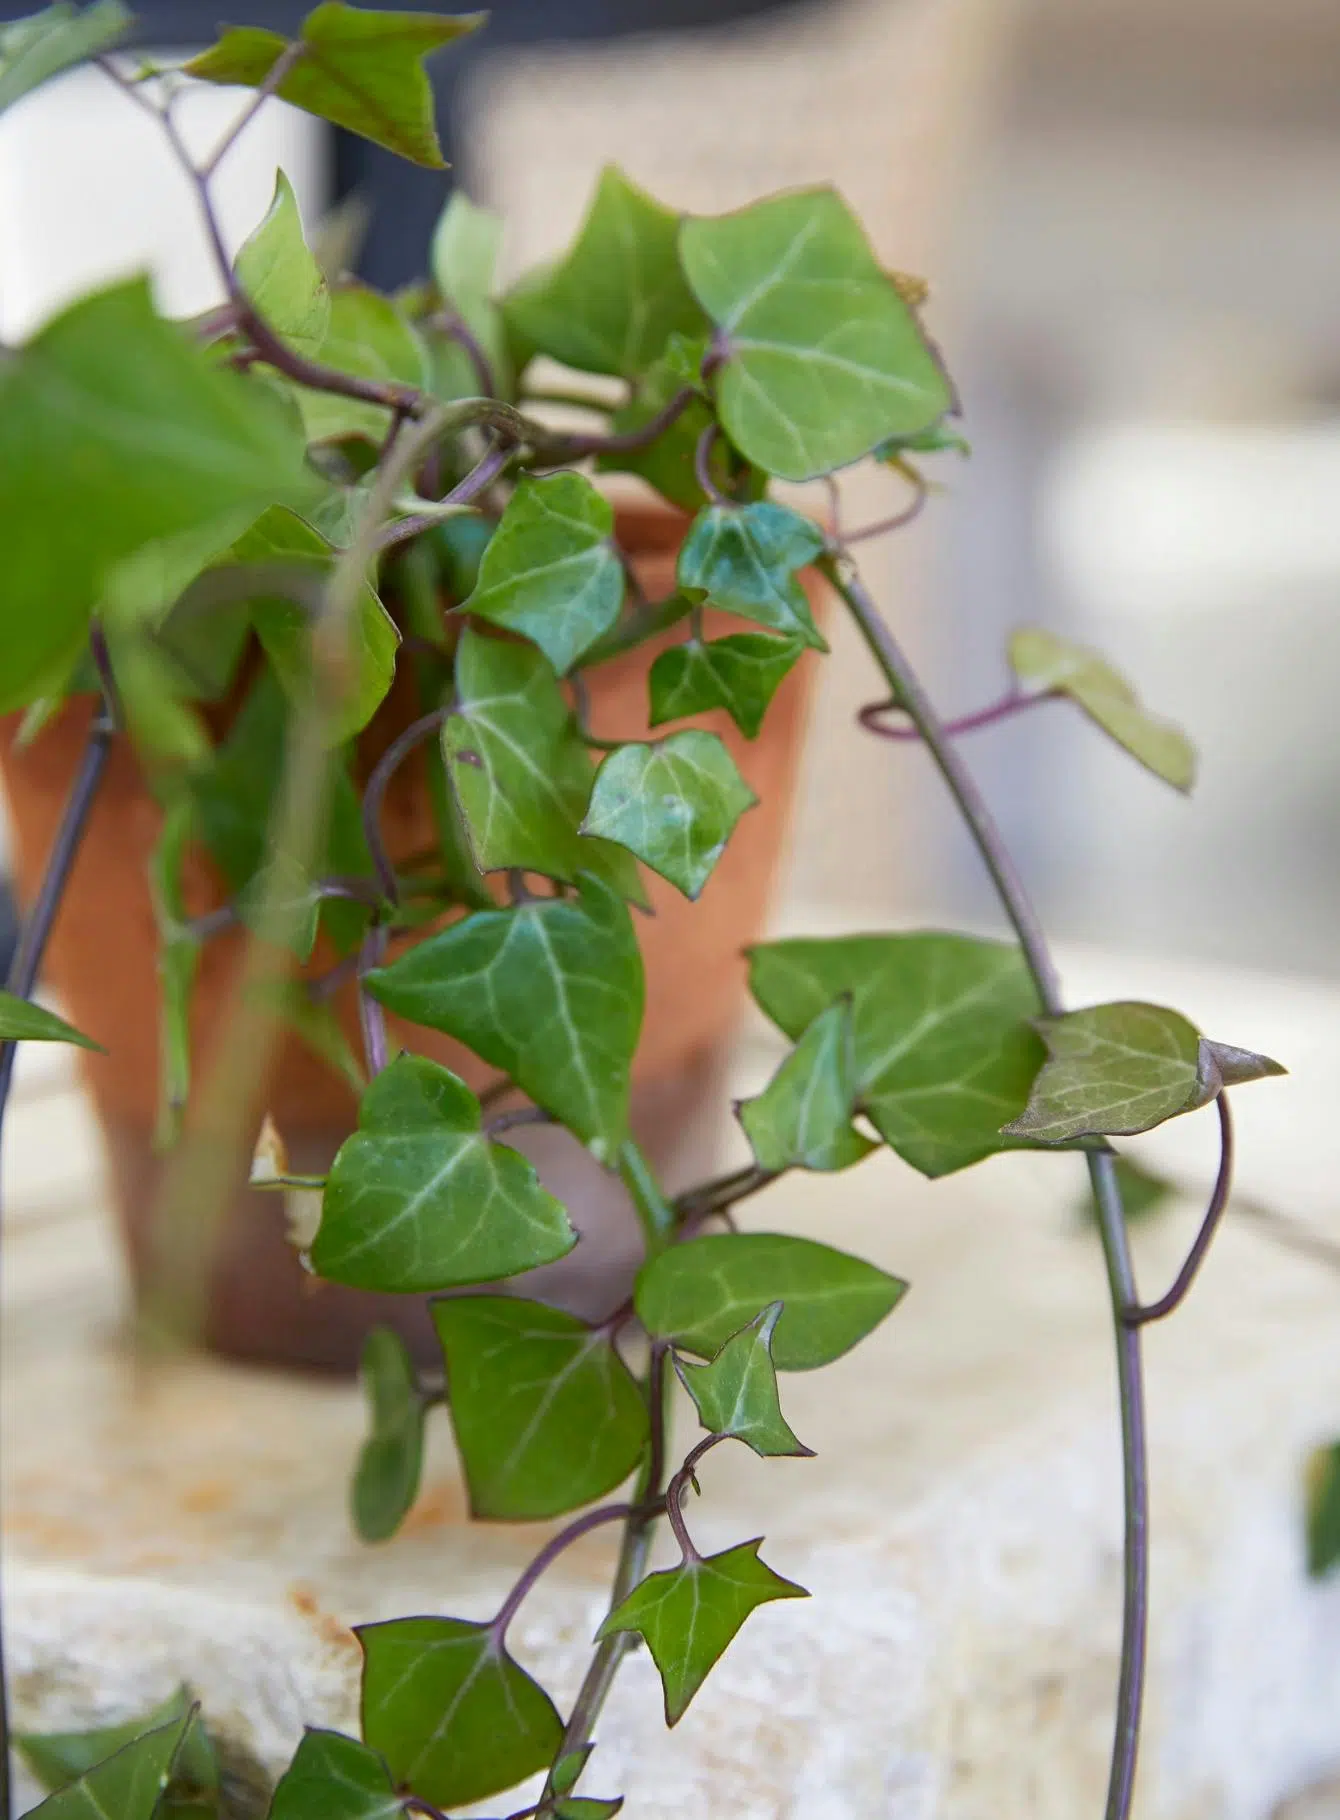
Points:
(1130, 214)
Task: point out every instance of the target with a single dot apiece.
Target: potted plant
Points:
(408, 728)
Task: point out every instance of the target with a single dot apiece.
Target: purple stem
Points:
(702, 466)
(374, 795)
(453, 324)
(553, 1548)
(627, 442)
(883, 526)
(1013, 703)
(1186, 1276)
(674, 1495)
(371, 1016)
(522, 1115)
(482, 476)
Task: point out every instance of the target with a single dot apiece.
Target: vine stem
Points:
(553, 1548)
(1016, 702)
(23, 974)
(912, 699)
(1155, 1311)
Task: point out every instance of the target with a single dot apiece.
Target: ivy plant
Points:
(289, 505)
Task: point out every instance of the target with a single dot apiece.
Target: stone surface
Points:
(959, 1529)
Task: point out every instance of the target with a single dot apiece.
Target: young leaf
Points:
(21, 1021)
(587, 1807)
(279, 274)
(454, 1716)
(418, 1199)
(802, 1119)
(563, 1777)
(1113, 1070)
(359, 69)
(369, 338)
(744, 559)
(550, 992)
(519, 770)
(699, 1294)
(824, 359)
(335, 1778)
(547, 1415)
(689, 1615)
(386, 1479)
(550, 571)
(737, 1393)
(35, 49)
(740, 673)
(56, 1758)
(1048, 663)
(1323, 1510)
(674, 804)
(611, 304)
(284, 623)
(162, 442)
(943, 1050)
(129, 1785)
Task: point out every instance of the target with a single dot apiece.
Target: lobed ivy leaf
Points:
(674, 804)
(944, 1051)
(130, 1784)
(370, 338)
(390, 1462)
(550, 992)
(284, 623)
(463, 259)
(550, 571)
(689, 1615)
(744, 559)
(1114, 1070)
(359, 69)
(1323, 1510)
(737, 1393)
(418, 1199)
(546, 1414)
(824, 360)
(612, 303)
(802, 1119)
(1048, 663)
(701, 1293)
(453, 1715)
(740, 673)
(21, 1021)
(281, 278)
(333, 1777)
(115, 431)
(519, 770)
(43, 45)
(57, 1758)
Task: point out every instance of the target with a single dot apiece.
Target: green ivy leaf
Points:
(335, 1778)
(454, 1716)
(550, 571)
(674, 804)
(550, 992)
(802, 1119)
(824, 359)
(740, 673)
(279, 274)
(1114, 1070)
(563, 1777)
(1323, 1510)
(944, 1052)
(284, 624)
(34, 49)
(701, 1293)
(418, 1199)
(21, 1021)
(390, 1462)
(57, 1758)
(587, 1807)
(744, 559)
(463, 261)
(370, 338)
(359, 69)
(612, 303)
(547, 1415)
(1048, 663)
(690, 1614)
(519, 769)
(737, 1393)
(116, 431)
(129, 1784)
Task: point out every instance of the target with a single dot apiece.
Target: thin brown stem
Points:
(896, 521)
(702, 465)
(374, 795)
(282, 66)
(553, 1548)
(677, 1488)
(1016, 702)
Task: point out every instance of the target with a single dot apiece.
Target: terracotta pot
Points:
(102, 962)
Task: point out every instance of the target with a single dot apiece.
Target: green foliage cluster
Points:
(289, 504)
